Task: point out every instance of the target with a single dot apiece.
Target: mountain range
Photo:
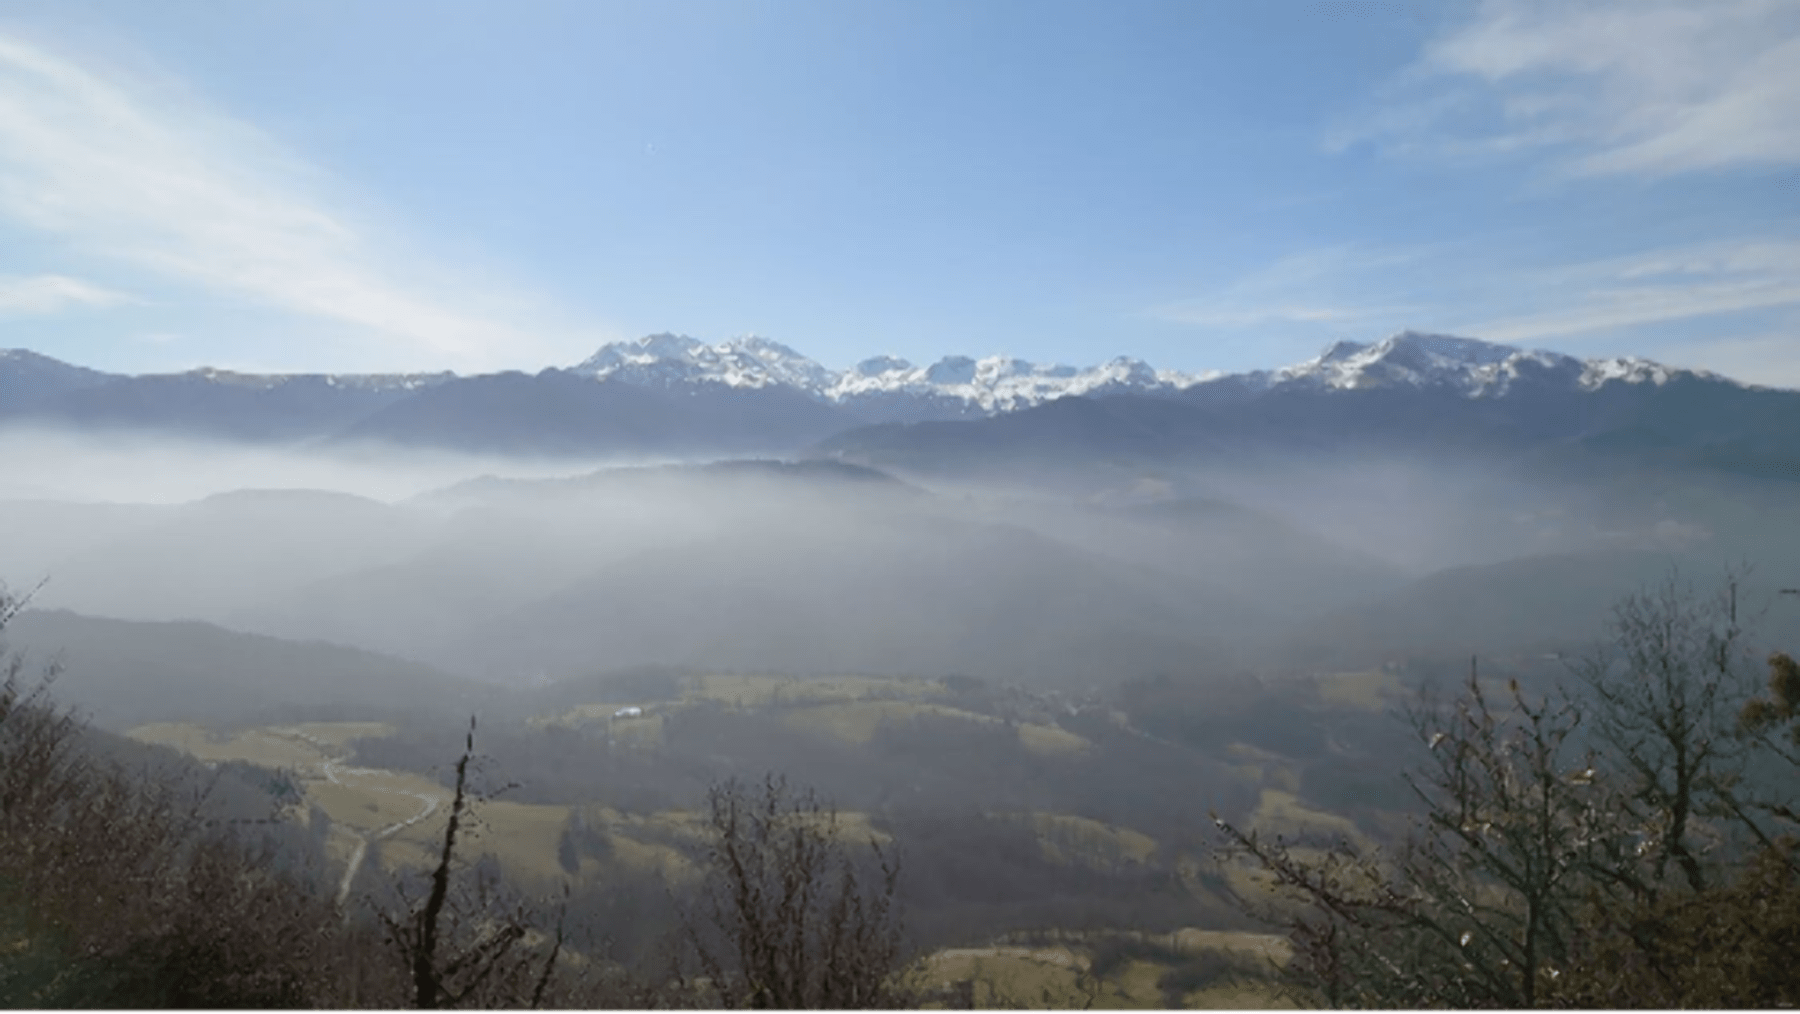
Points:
(668, 395)
(1422, 491)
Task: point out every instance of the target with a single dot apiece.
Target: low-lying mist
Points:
(134, 467)
(523, 570)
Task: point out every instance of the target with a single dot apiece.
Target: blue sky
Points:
(314, 185)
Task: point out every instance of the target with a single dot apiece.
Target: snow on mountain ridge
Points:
(362, 381)
(1471, 366)
(995, 383)
(1409, 359)
(666, 359)
(388, 381)
(1633, 370)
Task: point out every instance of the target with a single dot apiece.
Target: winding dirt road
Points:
(431, 802)
(332, 767)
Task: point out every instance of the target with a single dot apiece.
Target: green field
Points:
(1073, 840)
(857, 721)
(1373, 690)
(257, 746)
(401, 816)
(1061, 976)
(1282, 813)
(368, 801)
(849, 708)
(761, 690)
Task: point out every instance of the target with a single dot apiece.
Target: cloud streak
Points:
(1311, 287)
(1652, 288)
(1650, 88)
(152, 177)
(1363, 289)
(1225, 316)
(42, 294)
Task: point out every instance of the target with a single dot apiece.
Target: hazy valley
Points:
(1033, 643)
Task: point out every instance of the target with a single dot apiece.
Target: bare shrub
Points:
(466, 941)
(792, 916)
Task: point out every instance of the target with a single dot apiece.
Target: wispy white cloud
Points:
(52, 293)
(1651, 288)
(1311, 287)
(1216, 316)
(146, 173)
(1632, 298)
(1648, 88)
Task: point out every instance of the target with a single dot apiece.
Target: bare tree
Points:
(1557, 837)
(117, 890)
(462, 942)
(37, 739)
(787, 918)
(1666, 692)
(1478, 906)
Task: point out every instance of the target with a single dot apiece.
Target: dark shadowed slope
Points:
(1531, 605)
(220, 404)
(561, 413)
(28, 379)
(892, 594)
(1286, 568)
(197, 560)
(1686, 421)
(124, 673)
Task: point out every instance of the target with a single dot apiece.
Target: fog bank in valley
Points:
(523, 570)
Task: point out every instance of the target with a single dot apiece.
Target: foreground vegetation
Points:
(1616, 832)
(1624, 838)
(279, 870)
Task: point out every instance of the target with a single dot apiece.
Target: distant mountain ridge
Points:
(1469, 366)
(46, 375)
(976, 386)
(669, 394)
(1419, 393)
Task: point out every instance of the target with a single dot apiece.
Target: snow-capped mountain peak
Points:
(1405, 359)
(992, 384)
(665, 359)
(1470, 367)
